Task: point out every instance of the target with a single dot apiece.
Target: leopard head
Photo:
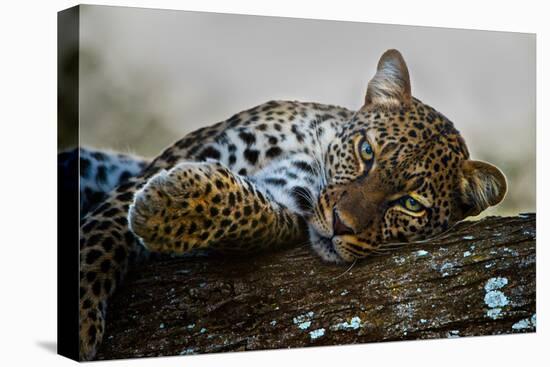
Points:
(398, 171)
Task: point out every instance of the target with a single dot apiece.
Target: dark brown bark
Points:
(479, 279)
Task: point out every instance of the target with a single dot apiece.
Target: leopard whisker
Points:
(308, 199)
(347, 270)
(387, 247)
(302, 244)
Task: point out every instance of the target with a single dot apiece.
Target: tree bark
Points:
(478, 279)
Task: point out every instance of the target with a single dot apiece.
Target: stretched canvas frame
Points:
(488, 265)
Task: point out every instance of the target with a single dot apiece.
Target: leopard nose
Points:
(338, 227)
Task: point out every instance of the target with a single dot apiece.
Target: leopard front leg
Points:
(198, 205)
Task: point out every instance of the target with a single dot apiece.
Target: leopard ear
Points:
(482, 185)
(390, 87)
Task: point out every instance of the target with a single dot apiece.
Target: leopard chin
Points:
(324, 247)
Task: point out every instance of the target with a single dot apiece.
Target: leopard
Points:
(351, 183)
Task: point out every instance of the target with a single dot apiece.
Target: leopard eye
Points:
(366, 151)
(411, 204)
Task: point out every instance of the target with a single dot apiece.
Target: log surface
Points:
(478, 279)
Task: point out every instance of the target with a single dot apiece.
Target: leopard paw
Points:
(192, 205)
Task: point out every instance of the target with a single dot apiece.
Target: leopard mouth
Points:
(324, 246)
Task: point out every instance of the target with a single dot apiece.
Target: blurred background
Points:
(148, 77)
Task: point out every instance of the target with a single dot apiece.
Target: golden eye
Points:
(411, 204)
(366, 151)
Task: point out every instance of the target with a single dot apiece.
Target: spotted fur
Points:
(286, 171)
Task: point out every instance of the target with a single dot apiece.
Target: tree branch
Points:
(477, 280)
